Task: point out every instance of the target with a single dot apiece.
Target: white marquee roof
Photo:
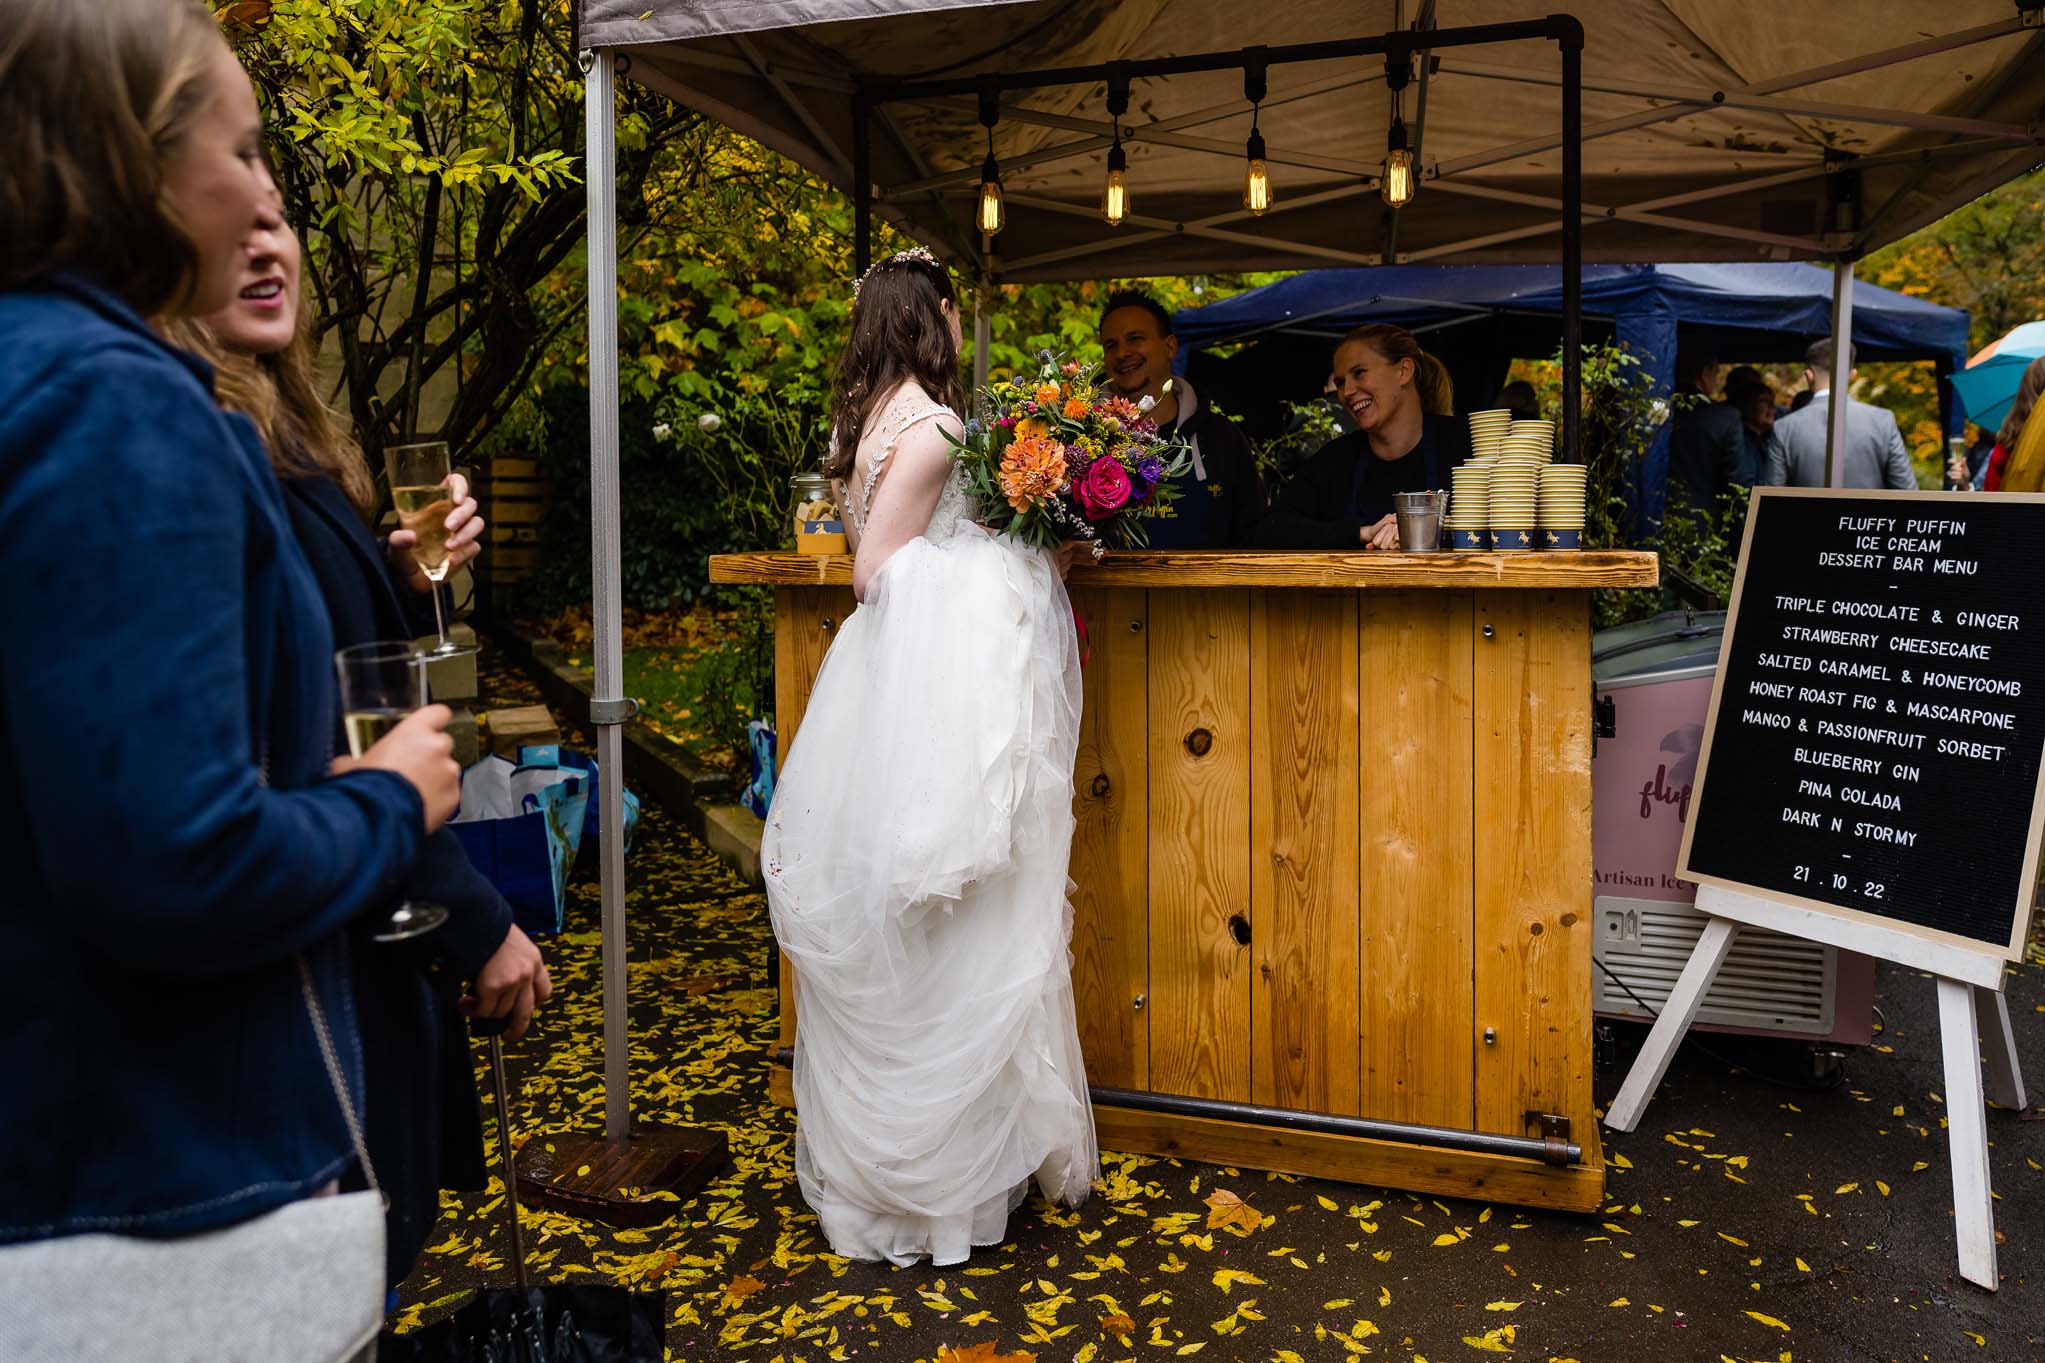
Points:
(1709, 125)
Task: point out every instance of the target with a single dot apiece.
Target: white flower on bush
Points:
(662, 431)
(709, 422)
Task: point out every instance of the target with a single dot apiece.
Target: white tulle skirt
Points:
(915, 857)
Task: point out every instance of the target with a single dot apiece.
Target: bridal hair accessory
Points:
(921, 253)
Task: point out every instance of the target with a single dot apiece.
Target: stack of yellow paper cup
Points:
(1487, 432)
(1531, 442)
(1512, 504)
(1469, 506)
(1562, 506)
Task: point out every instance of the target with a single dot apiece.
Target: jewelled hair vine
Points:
(921, 253)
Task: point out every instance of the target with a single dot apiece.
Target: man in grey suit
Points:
(1873, 455)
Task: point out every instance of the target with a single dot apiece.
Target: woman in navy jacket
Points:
(172, 836)
(424, 1127)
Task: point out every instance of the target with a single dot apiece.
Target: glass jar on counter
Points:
(819, 528)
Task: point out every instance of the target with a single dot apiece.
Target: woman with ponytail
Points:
(1406, 440)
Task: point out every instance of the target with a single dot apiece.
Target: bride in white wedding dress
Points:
(916, 848)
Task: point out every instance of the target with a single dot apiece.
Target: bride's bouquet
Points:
(1050, 459)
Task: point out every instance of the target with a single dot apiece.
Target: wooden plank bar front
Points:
(1332, 846)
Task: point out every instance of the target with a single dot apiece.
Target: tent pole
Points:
(1572, 244)
(983, 331)
(1842, 374)
(608, 709)
(862, 184)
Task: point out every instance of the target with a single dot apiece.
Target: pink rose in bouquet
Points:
(1103, 490)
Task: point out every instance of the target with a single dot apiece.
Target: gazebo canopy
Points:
(1712, 131)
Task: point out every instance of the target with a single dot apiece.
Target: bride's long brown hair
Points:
(899, 334)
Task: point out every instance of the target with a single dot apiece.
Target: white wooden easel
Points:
(1973, 1022)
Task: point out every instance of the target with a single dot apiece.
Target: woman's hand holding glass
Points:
(464, 539)
(418, 748)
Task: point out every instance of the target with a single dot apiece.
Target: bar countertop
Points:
(1265, 568)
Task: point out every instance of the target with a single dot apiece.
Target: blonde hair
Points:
(280, 394)
(93, 95)
(1430, 375)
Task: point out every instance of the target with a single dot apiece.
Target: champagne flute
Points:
(420, 486)
(381, 683)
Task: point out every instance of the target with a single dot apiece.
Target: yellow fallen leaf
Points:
(1227, 1278)
(1881, 1188)
(1337, 1304)
(1621, 1162)
(1732, 1239)
(1919, 1167)
(1502, 1305)
(1767, 1320)
(1619, 1301)
(1225, 1209)
(1979, 1342)
(1384, 1296)
(1497, 1341)
(1845, 1188)
(1802, 1267)
(1383, 1256)
(1447, 1238)
(1326, 1203)
(1686, 1223)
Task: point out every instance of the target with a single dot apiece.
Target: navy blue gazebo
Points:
(1481, 317)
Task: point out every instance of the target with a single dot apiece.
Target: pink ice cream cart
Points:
(1651, 684)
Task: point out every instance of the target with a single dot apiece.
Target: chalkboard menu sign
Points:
(1878, 719)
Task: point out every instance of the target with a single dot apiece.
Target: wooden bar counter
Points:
(1333, 851)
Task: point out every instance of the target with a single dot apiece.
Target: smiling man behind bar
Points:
(1220, 497)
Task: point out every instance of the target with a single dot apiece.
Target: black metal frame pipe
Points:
(1571, 42)
(862, 184)
(1336, 1124)
(1554, 27)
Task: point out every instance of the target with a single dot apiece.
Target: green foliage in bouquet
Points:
(1050, 458)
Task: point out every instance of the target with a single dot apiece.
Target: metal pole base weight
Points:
(582, 1174)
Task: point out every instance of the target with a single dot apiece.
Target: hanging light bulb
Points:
(1256, 177)
(991, 214)
(1257, 182)
(1396, 183)
(990, 218)
(1115, 194)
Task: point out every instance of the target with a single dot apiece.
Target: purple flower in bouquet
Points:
(1151, 471)
(1103, 490)
(1076, 461)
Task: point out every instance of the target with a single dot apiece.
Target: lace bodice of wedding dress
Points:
(954, 504)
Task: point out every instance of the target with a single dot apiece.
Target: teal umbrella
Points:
(1988, 385)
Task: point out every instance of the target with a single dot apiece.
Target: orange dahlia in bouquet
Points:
(1050, 458)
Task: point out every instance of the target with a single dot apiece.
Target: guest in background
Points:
(182, 865)
(2028, 388)
(424, 1128)
(1800, 400)
(1740, 378)
(1518, 398)
(1406, 440)
(1873, 453)
(1707, 444)
(1755, 402)
(1220, 497)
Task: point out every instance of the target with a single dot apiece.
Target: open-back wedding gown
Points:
(915, 856)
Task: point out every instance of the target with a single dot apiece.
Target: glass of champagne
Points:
(381, 683)
(420, 486)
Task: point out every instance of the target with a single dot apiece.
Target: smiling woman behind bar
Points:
(1406, 440)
